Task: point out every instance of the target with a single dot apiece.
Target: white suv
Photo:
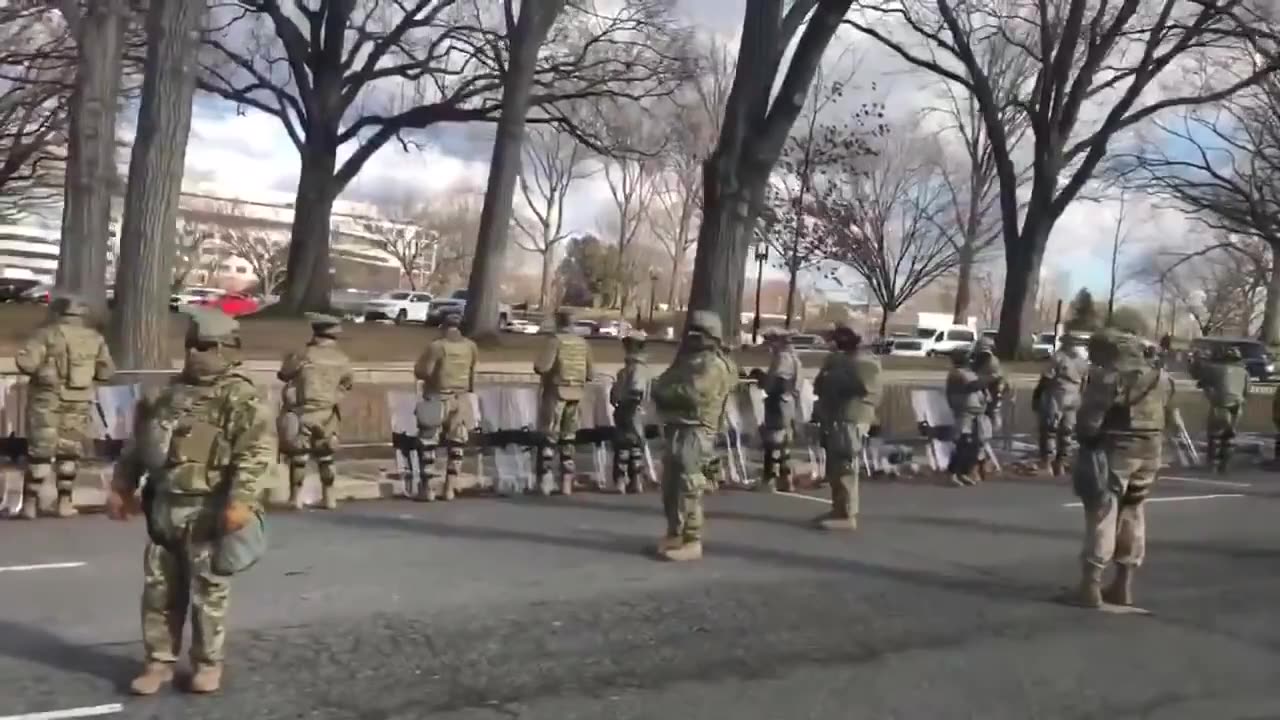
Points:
(399, 306)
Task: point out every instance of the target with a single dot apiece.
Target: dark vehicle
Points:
(11, 289)
(1257, 361)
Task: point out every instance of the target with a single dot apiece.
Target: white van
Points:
(942, 340)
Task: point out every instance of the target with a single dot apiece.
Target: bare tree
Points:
(986, 297)
(453, 220)
(191, 240)
(1221, 290)
(632, 178)
(1119, 238)
(140, 325)
(91, 175)
(676, 210)
(1090, 60)
(757, 121)
(553, 162)
(411, 247)
(882, 223)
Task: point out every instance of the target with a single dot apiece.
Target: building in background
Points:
(28, 252)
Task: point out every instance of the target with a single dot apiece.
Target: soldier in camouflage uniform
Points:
(995, 387)
(565, 369)
(206, 443)
(967, 398)
(447, 370)
(316, 379)
(64, 361)
(781, 386)
(848, 393)
(1123, 411)
(1056, 400)
(1226, 387)
(627, 397)
(690, 397)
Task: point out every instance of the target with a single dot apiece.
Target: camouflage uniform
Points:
(64, 361)
(316, 379)
(1056, 401)
(848, 393)
(1123, 411)
(781, 387)
(1226, 387)
(994, 387)
(565, 368)
(690, 397)
(967, 398)
(205, 442)
(627, 397)
(447, 370)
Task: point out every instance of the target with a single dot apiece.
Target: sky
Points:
(242, 152)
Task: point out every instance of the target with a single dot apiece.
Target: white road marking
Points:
(79, 712)
(1174, 498)
(801, 496)
(44, 566)
(1203, 481)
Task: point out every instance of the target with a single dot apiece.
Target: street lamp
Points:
(762, 254)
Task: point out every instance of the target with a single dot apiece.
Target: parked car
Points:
(613, 328)
(399, 306)
(37, 294)
(233, 304)
(457, 302)
(1045, 345)
(909, 347)
(941, 341)
(1259, 363)
(809, 342)
(11, 289)
(193, 296)
(523, 327)
(585, 328)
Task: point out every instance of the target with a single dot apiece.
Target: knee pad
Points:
(66, 468)
(455, 453)
(38, 471)
(1135, 495)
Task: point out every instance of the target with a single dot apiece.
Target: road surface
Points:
(549, 610)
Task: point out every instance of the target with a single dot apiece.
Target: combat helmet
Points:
(451, 319)
(960, 356)
(1232, 354)
(708, 323)
(70, 305)
(324, 325)
(210, 326)
(984, 345)
(633, 342)
(564, 318)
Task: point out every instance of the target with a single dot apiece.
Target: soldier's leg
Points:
(42, 447)
(165, 595)
(567, 439)
(297, 476)
(543, 465)
(452, 468)
(691, 446)
(843, 448)
(786, 482)
(428, 441)
(671, 491)
(712, 471)
(1131, 525)
(1047, 426)
(324, 466)
(636, 467)
(65, 471)
(1065, 433)
(38, 472)
(769, 472)
(209, 600)
(621, 464)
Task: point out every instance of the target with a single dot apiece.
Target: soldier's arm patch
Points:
(250, 432)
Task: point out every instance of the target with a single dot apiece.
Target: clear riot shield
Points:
(929, 405)
(807, 434)
(1184, 446)
(404, 433)
(595, 413)
(509, 408)
(735, 426)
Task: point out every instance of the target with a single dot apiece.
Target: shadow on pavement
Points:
(23, 642)
(653, 509)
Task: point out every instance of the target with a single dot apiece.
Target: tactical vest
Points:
(695, 389)
(453, 370)
(571, 361)
(1142, 404)
(962, 400)
(1229, 386)
(318, 385)
(70, 363)
(631, 385)
(187, 451)
(1068, 376)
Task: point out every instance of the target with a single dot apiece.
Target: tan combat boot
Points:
(155, 675)
(328, 498)
(833, 522)
(1058, 468)
(566, 485)
(1089, 592)
(295, 497)
(449, 492)
(1120, 591)
(207, 678)
(425, 492)
(684, 552)
(667, 543)
(66, 507)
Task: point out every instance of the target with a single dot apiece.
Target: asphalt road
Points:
(549, 610)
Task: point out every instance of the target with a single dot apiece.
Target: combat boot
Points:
(449, 493)
(207, 678)
(1059, 468)
(636, 487)
(666, 544)
(425, 492)
(1120, 591)
(328, 499)
(1089, 592)
(30, 506)
(566, 485)
(155, 675)
(66, 508)
(684, 552)
(295, 497)
(835, 522)
(1045, 467)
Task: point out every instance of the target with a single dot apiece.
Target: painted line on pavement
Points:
(1175, 498)
(801, 496)
(79, 712)
(1203, 481)
(43, 566)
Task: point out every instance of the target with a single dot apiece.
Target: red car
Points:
(233, 304)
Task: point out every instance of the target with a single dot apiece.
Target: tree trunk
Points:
(307, 279)
(532, 25)
(1271, 306)
(139, 327)
(793, 281)
(885, 314)
(544, 287)
(964, 285)
(673, 290)
(1021, 284)
(91, 148)
(732, 197)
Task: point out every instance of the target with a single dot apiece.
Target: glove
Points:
(236, 516)
(122, 505)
